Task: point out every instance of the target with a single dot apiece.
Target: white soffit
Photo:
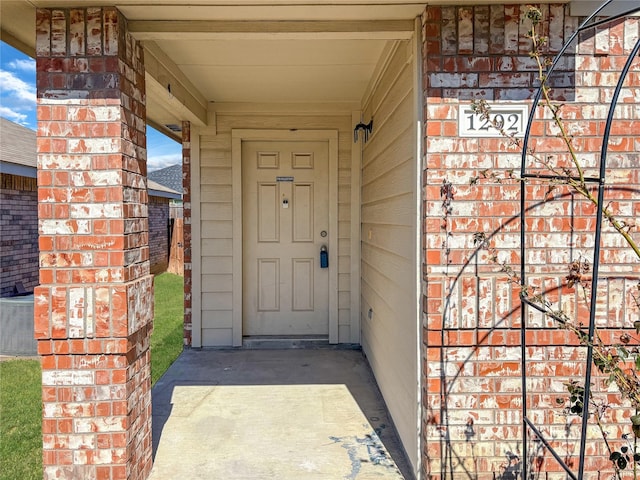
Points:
(277, 70)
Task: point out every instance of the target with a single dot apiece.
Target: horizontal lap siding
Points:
(388, 244)
(217, 241)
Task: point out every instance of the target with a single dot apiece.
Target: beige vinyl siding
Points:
(18, 144)
(217, 241)
(388, 243)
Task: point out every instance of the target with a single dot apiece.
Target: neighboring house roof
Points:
(169, 177)
(157, 190)
(18, 156)
(18, 149)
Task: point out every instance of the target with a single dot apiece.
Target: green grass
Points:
(21, 393)
(20, 420)
(166, 339)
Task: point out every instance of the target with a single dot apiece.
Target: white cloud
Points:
(26, 65)
(17, 98)
(24, 93)
(161, 161)
(12, 115)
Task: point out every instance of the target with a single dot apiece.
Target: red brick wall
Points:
(19, 237)
(158, 233)
(472, 363)
(94, 308)
(18, 233)
(186, 211)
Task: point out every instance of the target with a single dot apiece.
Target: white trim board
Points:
(356, 186)
(419, 108)
(196, 251)
(237, 137)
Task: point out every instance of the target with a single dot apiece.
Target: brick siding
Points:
(186, 212)
(18, 233)
(472, 354)
(158, 233)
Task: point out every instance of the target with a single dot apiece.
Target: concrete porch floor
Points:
(280, 414)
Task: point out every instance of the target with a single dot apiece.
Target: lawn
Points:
(20, 420)
(20, 385)
(166, 340)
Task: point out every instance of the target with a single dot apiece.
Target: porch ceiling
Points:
(265, 51)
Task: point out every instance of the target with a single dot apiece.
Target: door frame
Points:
(243, 135)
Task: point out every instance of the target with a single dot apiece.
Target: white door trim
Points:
(237, 137)
(418, 112)
(196, 235)
(356, 200)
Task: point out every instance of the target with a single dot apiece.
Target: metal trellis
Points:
(591, 23)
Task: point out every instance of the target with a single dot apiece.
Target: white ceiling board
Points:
(275, 12)
(277, 70)
(178, 30)
(273, 52)
(282, 84)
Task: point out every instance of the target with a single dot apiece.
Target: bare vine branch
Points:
(619, 363)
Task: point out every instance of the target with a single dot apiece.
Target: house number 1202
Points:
(496, 121)
(512, 118)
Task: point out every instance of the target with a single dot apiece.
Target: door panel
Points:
(268, 284)
(268, 209)
(302, 160)
(302, 283)
(286, 204)
(268, 160)
(302, 213)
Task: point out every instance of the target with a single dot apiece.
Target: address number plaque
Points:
(513, 118)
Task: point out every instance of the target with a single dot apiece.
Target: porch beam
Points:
(167, 80)
(161, 128)
(293, 109)
(265, 30)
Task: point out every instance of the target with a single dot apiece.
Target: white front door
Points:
(285, 225)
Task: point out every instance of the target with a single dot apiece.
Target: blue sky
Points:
(18, 104)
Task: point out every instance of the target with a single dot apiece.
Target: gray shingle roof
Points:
(169, 177)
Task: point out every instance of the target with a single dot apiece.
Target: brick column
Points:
(94, 307)
(186, 213)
